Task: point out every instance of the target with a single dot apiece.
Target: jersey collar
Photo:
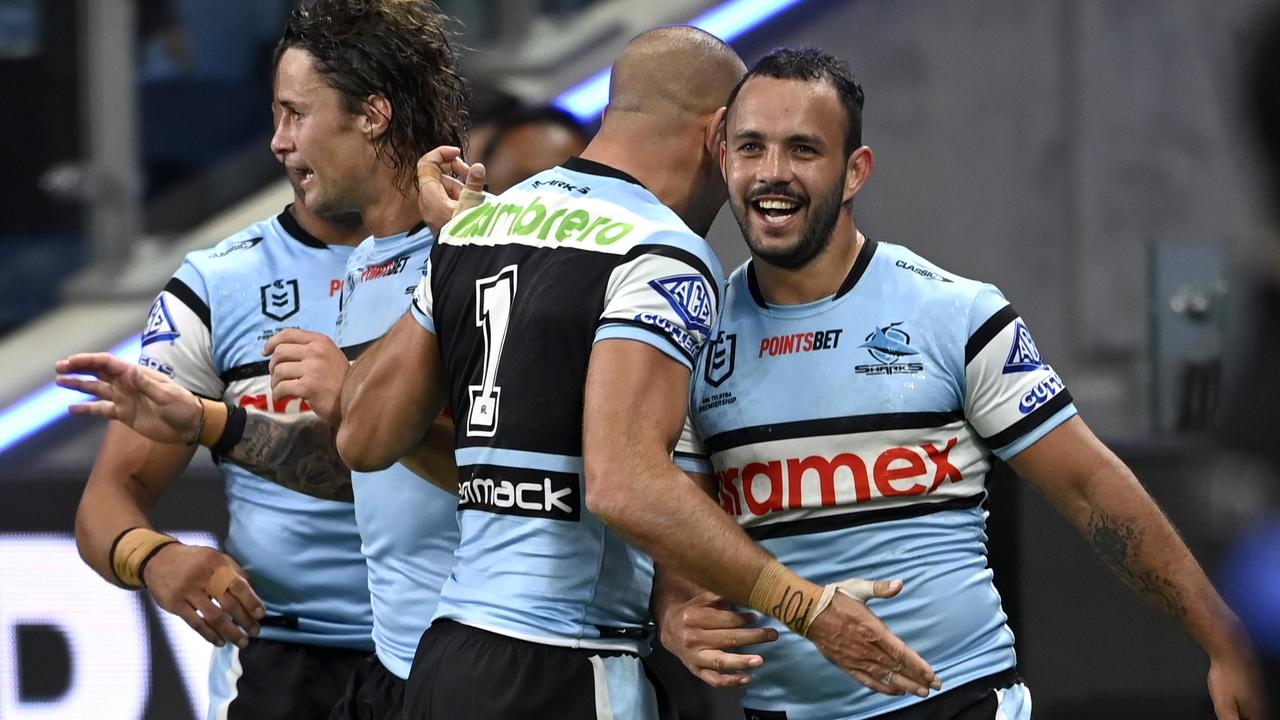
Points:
(591, 167)
(856, 272)
(291, 226)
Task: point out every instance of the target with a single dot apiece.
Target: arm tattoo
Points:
(296, 451)
(1117, 543)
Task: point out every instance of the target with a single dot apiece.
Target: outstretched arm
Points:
(1094, 490)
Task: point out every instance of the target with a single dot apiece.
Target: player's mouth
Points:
(303, 174)
(776, 212)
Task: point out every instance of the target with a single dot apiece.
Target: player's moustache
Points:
(778, 189)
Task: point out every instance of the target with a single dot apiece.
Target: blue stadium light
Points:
(727, 21)
(49, 404)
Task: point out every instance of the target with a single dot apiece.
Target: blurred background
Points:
(1095, 159)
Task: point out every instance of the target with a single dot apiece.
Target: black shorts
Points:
(464, 673)
(272, 680)
(978, 699)
(374, 693)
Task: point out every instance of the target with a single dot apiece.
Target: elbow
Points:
(606, 490)
(357, 452)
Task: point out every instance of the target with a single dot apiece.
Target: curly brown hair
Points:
(397, 49)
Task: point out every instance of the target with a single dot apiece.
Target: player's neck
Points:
(391, 211)
(819, 278)
(667, 166)
(327, 231)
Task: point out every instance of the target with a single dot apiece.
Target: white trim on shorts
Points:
(1013, 703)
(218, 708)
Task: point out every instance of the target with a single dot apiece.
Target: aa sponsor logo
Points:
(691, 297)
(817, 481)
(1043, 392)
(1024, 356)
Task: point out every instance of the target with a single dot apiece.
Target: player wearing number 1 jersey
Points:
(852, 401)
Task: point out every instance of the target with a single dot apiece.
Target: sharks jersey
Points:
(518, 291)
(877, 468)
(408, 527)
(206, 330)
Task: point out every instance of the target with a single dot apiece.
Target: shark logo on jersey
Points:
(888, 345)
(159, 324)
(1024, 356)
(280, 300)
(690, 297)
(720, 358)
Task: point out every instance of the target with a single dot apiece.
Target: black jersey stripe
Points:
(263, 367)
(987, 332)
(651, 329)
(830, 426)
(675, 253)
(295, 229)
(1011, 434)
(828, 523)
(183, 292)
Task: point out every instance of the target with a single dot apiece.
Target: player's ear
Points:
(713, 133)
(860, 165)
(376, 116)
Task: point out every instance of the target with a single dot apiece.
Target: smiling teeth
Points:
(776, 205)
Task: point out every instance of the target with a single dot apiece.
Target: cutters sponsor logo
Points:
(888, 345)
(159, 324)
(720, 358)
(691, 297)
(800, 342)
(562, 185)
(236, 246)
(922, 272)
(1024, 356)
(280, 299)
(678, 335)
(1042, 393)
(521, 491)
(157, 365)
(817, 481)
(288, 404)
(532, 219)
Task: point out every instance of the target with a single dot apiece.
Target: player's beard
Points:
(349, 219)
(814, 236)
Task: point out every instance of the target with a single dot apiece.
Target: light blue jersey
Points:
(408, 527)
(852, 437)
(207, 330)
(518, 292)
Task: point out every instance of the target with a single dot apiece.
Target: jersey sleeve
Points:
(665, 297)
(423, 301)
(1013, 397)
(178, 337)
(690, 455)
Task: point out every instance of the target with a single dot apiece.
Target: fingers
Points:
(294, 336)
(88, 385)
(249, 600)
(473, 193)
(197, 623)
(907, 664)
(97, 408)
(884, 589)
(737, 637)
(240, 614)
(219, 620)
(720, 669)
(104, 365)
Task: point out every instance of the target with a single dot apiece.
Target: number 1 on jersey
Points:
(494, 297)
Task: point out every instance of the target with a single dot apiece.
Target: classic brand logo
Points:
(690, 297)
(159, 324)
(237, 245)
(280, 299)
(759, 488)
(520, 491)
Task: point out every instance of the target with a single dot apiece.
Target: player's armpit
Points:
(392, 394)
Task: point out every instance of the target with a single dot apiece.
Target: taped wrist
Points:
(781, 594)
(130, 553)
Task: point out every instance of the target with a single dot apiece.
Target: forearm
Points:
(294, 451)
(433, 458)
(1140, 545)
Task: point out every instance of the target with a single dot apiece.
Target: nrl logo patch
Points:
(159, 324)
(1024, 356)
(720, 358)
(280, 299)
(690, 297)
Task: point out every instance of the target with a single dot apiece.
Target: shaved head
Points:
(674, 71)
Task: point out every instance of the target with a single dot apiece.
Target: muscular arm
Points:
(296, 451)
(1098, 494)
(392, 395)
